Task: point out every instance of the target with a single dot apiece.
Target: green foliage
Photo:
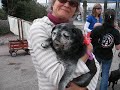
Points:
(8, 6)
(29, 10)
(4, 30)
(4, 4)
(4, 27)
(3, 15)
(25, 9)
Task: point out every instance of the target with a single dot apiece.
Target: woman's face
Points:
(64, 9)
(98, 10)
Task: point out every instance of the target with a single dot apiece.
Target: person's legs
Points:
(106, 64)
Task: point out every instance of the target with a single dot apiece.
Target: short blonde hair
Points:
(97, 5)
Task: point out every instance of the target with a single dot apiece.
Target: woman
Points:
(103, 39)
(95, 17)
(49, 69)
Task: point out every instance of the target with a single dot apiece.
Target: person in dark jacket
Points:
(104, 38)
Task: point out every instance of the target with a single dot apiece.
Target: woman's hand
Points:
(90, 47)
(73, 86)
(97, 24)
(86, 56)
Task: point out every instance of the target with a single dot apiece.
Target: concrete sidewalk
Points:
(16, 73)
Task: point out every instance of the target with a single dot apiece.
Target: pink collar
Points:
(54, 19)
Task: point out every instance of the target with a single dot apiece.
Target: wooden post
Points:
(84, 10)
(19, 29)
(105, 5)
(22, 30)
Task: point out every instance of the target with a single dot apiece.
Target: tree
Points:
(29, 10)
(25, 9)
(4, 4)
(3, 15)
(9, 5)
(85, 9)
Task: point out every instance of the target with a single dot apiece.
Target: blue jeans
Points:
(106, 64)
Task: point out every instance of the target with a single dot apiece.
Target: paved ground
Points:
(18, 73)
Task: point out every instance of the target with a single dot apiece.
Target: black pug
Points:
(114, 77)
(67, 41)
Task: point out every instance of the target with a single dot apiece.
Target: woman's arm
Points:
(86, 27)
(86, 56)
(94, 81)
(117, 47)
(75, 87)
(95, 68)
(44, 59)
(117, 39)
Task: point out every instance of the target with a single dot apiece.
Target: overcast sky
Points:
(0, 4)
(42, 1)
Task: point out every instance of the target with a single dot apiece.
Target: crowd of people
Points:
(104, 37)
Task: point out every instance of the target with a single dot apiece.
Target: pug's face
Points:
(62, 39)
(64, 36)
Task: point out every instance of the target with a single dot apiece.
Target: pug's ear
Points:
(53, 29)
(74, 31)
(77, 32)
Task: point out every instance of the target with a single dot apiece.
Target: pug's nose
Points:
(58, 38)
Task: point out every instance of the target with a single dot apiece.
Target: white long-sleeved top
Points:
(49, 69)
(86, 27)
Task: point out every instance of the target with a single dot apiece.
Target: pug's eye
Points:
(66, 35)
(54, 35)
